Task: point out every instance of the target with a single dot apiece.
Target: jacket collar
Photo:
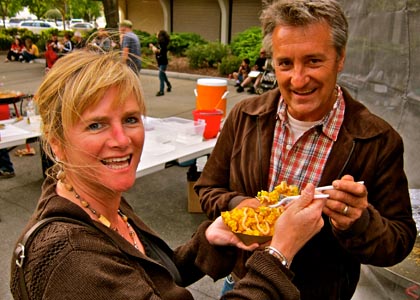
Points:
(366, 127)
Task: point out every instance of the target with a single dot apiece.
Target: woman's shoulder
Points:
(60, 239)
(61, 245)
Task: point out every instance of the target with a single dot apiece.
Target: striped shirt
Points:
(303, 161)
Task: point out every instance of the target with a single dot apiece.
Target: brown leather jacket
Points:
(73, 261)
(367, 148)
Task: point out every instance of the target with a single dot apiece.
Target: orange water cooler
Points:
(211, 94)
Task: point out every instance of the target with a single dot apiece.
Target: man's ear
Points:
(341, 60)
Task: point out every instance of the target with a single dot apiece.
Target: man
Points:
(130, 46)
(312, 131)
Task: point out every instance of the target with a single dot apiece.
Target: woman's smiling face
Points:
(106, 143)
(307, 65)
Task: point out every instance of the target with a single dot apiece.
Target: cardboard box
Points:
(193, 202)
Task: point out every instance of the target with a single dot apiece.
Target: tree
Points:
(85, 9)
(9, 8)
(37, 7)
(111, 13)
(53, 14)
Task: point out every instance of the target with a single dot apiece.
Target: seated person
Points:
(242, 73)
(30, 52)
(78, 41)
(15, 50)
(259, 66)
(67, 46)
(54, 43)
(50, 55)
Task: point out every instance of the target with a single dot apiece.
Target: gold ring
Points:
(345, 210)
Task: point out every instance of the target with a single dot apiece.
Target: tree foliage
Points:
(247, 44)
(9, 8)
(86, 9)
(37, 7)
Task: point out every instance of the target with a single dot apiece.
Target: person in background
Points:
(54, 43)
(102, 40)
(242, 72)
(161, 53)
(50, 55)
(67, 46)
(311, 130)
(91, 105)
(130, 46)
(15, 51)
(259, 66)
(6, 165)
(78, 40)
(30, 52)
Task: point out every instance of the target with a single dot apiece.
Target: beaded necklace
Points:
(105, 221)
(101, 218)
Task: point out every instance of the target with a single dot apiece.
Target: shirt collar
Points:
(330, 123)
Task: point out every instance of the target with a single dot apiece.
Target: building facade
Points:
(214, 20)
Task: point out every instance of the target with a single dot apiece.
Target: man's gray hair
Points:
(305, 12)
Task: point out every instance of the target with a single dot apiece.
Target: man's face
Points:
(123, 29)
(306, 65)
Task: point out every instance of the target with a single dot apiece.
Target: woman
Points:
(161, 53)
(30, 52)
(15, 50)
(91, 107)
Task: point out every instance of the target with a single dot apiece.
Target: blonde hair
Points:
(77, 82)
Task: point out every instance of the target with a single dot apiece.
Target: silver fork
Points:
(287, 199)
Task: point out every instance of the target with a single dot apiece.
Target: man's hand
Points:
(346, 203)
(300, 221)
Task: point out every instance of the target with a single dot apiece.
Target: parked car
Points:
(82, 26)
(74, 21)
(36, 26)
(14, 22)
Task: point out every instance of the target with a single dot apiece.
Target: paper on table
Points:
(11, 130)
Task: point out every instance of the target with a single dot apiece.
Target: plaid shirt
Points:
(303, 162)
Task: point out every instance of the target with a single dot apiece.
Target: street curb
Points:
(170, 74)
(187, 76)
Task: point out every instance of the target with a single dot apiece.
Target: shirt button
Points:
(288, 147)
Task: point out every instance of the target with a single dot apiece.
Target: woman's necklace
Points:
(106, 222)
(101, 218)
